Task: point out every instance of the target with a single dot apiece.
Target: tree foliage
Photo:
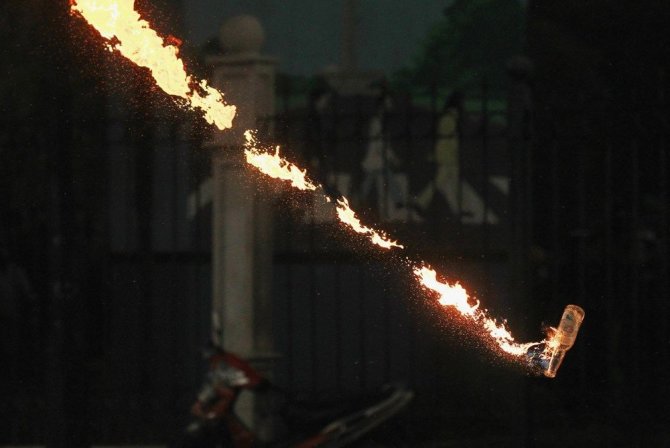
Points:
(471, 43)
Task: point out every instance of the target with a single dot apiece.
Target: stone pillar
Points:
(242, 218)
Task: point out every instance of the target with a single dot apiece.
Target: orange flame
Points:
(125, 31)
(455, 295)
(275, 166)
(348, 217)
(553, 340)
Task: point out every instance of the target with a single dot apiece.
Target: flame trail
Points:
(348, 217)
(274, 166)
(126, 32)
(455, 295)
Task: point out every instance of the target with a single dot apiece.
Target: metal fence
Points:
(106, 220)
(434, 172)
(348, 318)
(459, 183)
(601, 232)
(159, 274)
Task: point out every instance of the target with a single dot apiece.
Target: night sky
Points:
(305, 34)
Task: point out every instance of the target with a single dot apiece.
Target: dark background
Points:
(109, 275)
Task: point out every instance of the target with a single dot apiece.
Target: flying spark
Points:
(273, 165)
(125, 31)
(348, 217)
(456, 296)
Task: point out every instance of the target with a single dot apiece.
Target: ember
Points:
(126, 32)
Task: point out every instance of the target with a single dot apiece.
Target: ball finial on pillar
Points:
(242, 34)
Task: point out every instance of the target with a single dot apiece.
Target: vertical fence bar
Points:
(384, 142)
(313, 333)
(56, 424)
(634, 335)
(338, 331)
(583, 234)
(177, 308)
(613, 332)
(281, 130)
(555, 218)
(484, 129)
(144, 140)
(195, 246)
(663, 205)
(335, 132)
(362, 290)
(387, 336)
(406, 157)
(312, 303)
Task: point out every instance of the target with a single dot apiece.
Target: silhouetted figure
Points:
(379, 160)
(463, 200)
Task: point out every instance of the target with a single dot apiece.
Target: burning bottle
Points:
(563, 339)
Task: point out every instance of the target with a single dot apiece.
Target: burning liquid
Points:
(271, 164)
(126, 32)
(274, 166)
(347, 216)
(456, 296)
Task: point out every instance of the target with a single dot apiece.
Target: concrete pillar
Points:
(242, 214)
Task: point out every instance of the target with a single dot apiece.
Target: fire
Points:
(450, 295)
(125, 31)
(348, 217)
(274, 166)
(456, 296)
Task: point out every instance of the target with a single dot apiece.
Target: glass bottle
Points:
(564, 339)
